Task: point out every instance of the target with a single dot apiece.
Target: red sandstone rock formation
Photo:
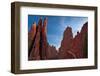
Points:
(51, 52)
(79, 45)
(74, 47)
(66, 44)
(31, 35)
(39, 48)
(35, 50)
(44, 40)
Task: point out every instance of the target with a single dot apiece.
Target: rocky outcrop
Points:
(66, 43)
(31, 36)
(36, 46)
(74, 47)
(44, 40)
(51, 52)
(40, 49)
(79, 45)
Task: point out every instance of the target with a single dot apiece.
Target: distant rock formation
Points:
(52, 52)
(71, 47)
(66, 44)
(74, 47)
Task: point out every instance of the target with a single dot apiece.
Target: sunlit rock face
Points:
(66, 44)
(31, 36)
(71, 47)
(35, 47)
(39, 49)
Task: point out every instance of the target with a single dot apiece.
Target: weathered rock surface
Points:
(40, 49)
(51, 52)
(31, 36)
(66, 43)
(74, 47)
(79, 45)
(44, 40)
(35, 47)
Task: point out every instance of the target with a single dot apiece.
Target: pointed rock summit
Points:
(66, 43)
(32, 31)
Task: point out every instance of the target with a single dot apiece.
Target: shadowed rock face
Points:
(74, 47)
(39, 48)
(79, 45)
(44, 40)
(51, 52)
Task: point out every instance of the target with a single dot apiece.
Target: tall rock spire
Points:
(36, 47)
(44, 40)
(66, 43)
(41, 49)
(31, 36)
(45, 25)
(39, 25)
(32, 31)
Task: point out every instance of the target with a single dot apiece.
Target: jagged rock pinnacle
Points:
(44, 28)
(45, 22)
(33, 30)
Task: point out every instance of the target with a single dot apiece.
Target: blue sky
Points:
(56, 26)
